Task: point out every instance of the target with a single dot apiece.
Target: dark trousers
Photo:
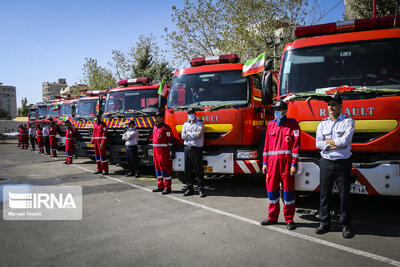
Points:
(194, 162)
(46, 141)
(132, 159)
(32, 139)
(339, 172)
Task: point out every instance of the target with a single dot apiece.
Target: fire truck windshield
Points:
(132, 100)
(42, 111)
(209, 89)
(86, 107)
(66, 109)
(32, 114)
(373, 64)
(53, 110)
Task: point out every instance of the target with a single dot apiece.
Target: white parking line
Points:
(272, 228)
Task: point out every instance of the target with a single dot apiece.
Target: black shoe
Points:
(202, 194)
(129, 174)
(106, 173)
(166, 192)
(290, 226)
(97, 172)
(158, 190)
(346, 232)
(188, 192)
(137, 175)
(267, 222)
(322, 229)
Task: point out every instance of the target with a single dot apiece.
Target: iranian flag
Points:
(254, 65)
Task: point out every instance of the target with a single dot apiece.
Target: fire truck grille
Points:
(115, 136)
(84, 134)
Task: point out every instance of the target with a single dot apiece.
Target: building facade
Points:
(52, 90)
(8, 100)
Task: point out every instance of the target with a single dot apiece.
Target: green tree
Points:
(143, 60)
(4, 115)
(364, 8)
(97, 77)
(245, 27)
(24, 109)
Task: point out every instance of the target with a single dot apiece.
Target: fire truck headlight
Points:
(150, 152)
(246, 154)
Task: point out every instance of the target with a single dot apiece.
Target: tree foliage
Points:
(97, 77)
(24, 109)
(143, 60)
(245, 27)
(4, 115)
(364, 8)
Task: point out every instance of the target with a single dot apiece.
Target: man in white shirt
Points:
(46, 139)
(193, 136)
(131, 140)
(334, 137)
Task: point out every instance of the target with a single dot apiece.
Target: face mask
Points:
(278, 114)
(192, 117)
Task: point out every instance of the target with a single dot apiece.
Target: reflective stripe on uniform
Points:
(294, 155)
(278, 152)
(160, 145)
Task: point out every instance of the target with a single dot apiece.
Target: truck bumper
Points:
(85, 149)
(380, 179)
(221, 163)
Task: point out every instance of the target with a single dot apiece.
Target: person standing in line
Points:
(69, 142)
(46, 139)
(162, 137)
(39, 137)
(193, 136)
(20, 135)
(32, 136)
(334, 137)
(280, 157)
(53, 139)
(24, 138)
(131, 140)
(99, 139)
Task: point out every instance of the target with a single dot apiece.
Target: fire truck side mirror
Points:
(267, 93)
(268, 65)
(162, 101)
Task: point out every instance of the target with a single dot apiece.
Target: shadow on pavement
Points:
(372, 215)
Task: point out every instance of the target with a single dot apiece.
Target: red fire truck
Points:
(230, 106)
(86, 109)
(134, 99)
(361, 60)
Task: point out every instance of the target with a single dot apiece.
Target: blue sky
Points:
(45, 40)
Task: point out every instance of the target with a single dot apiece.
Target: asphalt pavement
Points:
(124, 223)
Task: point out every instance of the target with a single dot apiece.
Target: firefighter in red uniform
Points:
(99, 140)
(39, 137)
(69, 142)
(53, 139)
(20, 135)
(280, 157)
(24, 137)
(162, 137)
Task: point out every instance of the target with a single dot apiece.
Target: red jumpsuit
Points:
(53, 141)
(39, 137)
(281, 151)
(20, 137)
(24, 138)
(162, 136)
(100, 137)
(69, 144)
